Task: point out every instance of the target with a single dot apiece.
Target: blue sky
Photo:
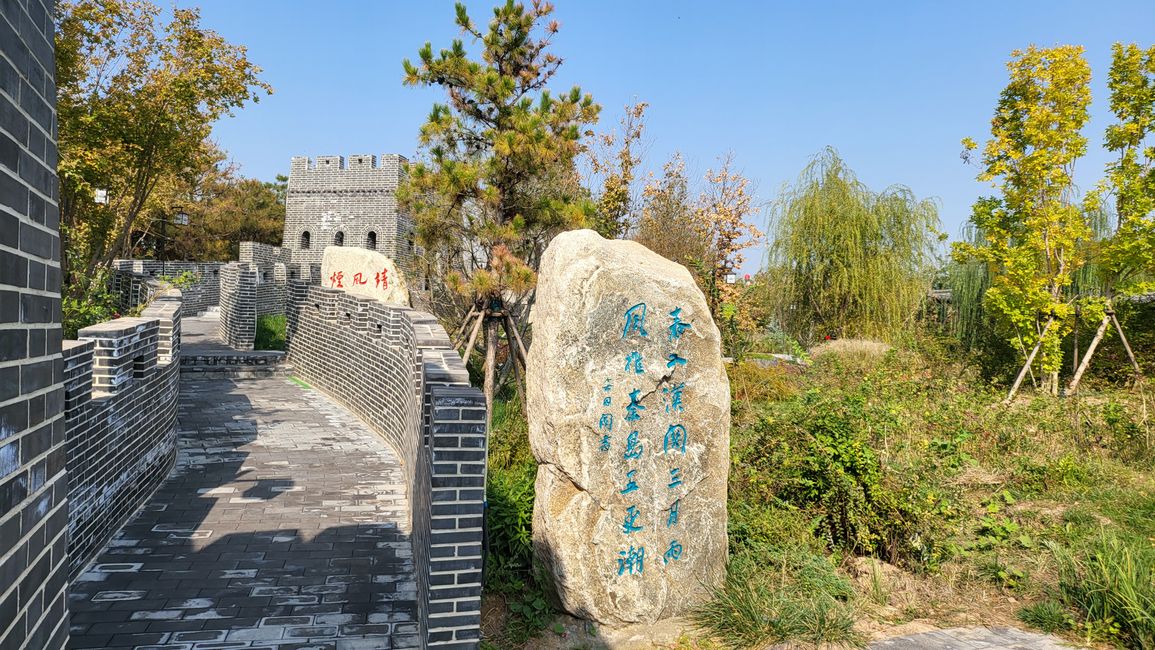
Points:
(893, 86)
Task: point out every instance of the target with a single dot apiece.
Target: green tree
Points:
(1034, 234)
(136, 100)
(498, 179)
(666, 223)
(1127, 257)
(846, 261)
(614, 161)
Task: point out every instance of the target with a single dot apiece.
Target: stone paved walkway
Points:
(972, 638)
(284, 525)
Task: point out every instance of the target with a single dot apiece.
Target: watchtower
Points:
(338, 201)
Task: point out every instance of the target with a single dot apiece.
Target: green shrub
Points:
(1112, 583)
(752, 382)
(96, 306)
(839, 472)
(270, 332)
(509, 492)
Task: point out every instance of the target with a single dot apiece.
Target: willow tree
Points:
(847, 261)
(498, 177)
(1033, 234)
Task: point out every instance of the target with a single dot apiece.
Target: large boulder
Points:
(629, 418)
(364, 273)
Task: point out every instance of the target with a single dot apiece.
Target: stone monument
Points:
(364, 273)
(629, 419)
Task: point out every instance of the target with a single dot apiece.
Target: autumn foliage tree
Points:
(707, 233)
(136, 96)
(613, 160)
(498, 177)
(1033, 234)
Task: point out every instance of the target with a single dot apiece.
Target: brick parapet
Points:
(120, 401)
(238, 319)
(135, 282)
(396, 369)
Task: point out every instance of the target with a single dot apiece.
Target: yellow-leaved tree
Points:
(1032, 236)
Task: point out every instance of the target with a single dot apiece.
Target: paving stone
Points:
(249, 542)
(972, 638)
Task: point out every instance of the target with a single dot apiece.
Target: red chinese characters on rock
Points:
(381, 280)
(359, 279)
(337, 279)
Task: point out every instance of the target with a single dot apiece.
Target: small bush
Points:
(270, 333)
(839, 472)
(1112, 582)
(509, 492)
(96, 306)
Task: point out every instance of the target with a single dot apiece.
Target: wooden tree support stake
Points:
(1071, 387)
(1030, 360)
(473, 337)
(1126, 345)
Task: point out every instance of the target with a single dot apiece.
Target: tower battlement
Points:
(356, 162)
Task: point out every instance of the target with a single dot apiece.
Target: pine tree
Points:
(498, 178)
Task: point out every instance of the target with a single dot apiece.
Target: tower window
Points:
(339, 239)
(305, 240)
(371, 241)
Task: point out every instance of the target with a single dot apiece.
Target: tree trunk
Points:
(1071, 387)
(1030, 360)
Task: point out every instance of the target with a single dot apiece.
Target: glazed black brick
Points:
(396, 368)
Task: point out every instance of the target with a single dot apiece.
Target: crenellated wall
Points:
(396, 369)
(238, 324)
(120, 399)
(134, 282)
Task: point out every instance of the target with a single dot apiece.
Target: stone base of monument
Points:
(577, 634)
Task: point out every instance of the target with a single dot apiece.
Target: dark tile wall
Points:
(396, 369)
(33, 487)
(121, 391)
(133, 282)
(238, 326)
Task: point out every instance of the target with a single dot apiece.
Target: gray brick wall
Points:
(334, 196)
(238, 325)
(395, 368)
(121, 391)
(33, 485)
(131, 281)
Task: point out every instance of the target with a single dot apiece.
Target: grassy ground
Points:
(881, 492)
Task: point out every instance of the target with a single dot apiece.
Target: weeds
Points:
(1049, 616)
(1112, 583)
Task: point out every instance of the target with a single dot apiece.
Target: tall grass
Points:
(1112, 582)
(776, 595)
